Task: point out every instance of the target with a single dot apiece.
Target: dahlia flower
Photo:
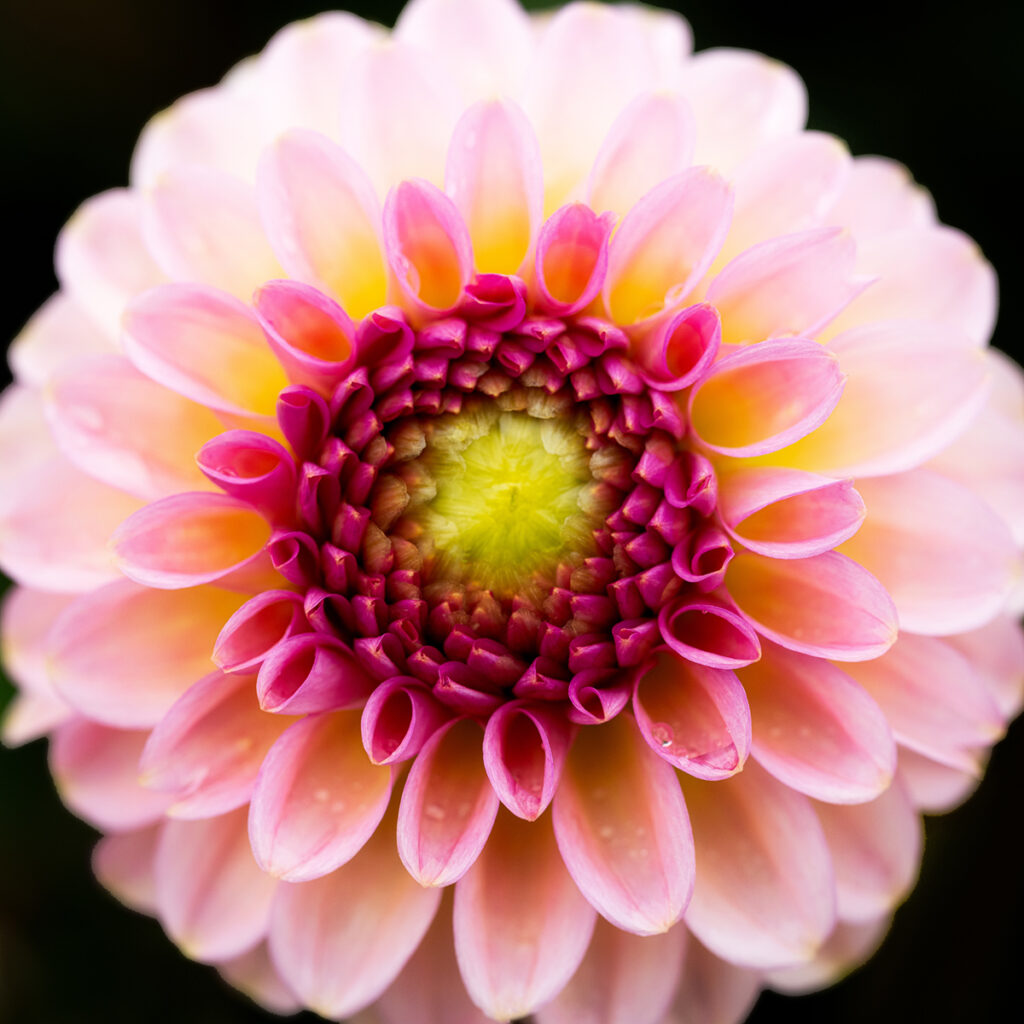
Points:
(506, 524)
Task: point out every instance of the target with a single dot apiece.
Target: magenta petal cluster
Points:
(508, 524)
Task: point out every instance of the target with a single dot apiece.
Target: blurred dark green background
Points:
(937, 87)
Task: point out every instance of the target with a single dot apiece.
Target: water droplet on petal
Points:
(663, 733)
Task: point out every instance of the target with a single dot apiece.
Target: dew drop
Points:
(663, 733)
(322, 795)
(434, 811)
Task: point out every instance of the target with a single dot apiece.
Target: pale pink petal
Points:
(96, 770)
(787, 513)
(741, 100)
(667, 36)
(29, 716)
(880, 195)
(709, 631)
(124, 863)
(792, 285)
(318, 798)
(622, 829)
(494, 176)
(124, 654)
(933, 787)
(817, 730)
(123, 428)
(996, 652)
(930, 273)
(448, 806)
(303, 67)
(826, 606)
(765, 893)
(764, 397)
(427, 245)
(101, 258)
(521, 925)
(206, 345)
(665, 244)
(311, 672)
(188, 539)
(911, 388)
(26, 439)
(339, 941)
(712, 990)
(55, 529)
(624, 979)
(651, 140)
(784, 187)
(254, 974)
(202, 225)
(694, 717)
(849, 945)
(485, 44)
(946, 573)
(571, 259)
(206, 751)
(591, 61)
(26, 617)
(524, 749)
(429, 990)
(58, 334)
(323, 219)
(212, 899)
(876, 850)
(936, 703)
(401, 110)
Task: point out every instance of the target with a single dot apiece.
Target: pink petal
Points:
(211, 897)
(622, 829)
(255, 469)
(876, 851)
(124, 863)
(429, 990)
(521, 925)
(787, 513)
(311, 672)
(120, 427)
(946, 573)
(26, 439)
(323, 219)
(934, 700)
(206, 345)
(826, 606)
(712, 990)
(996, 652)
(879, 196)
(792, 285)
(740, 101)
(484, 44)
(624, 979)
(816, 730)
(911, 388)
(709, 631)
(30, 716)
(55, 528)
(571, 259)
(925, 273)
(694, 717)
(524, 750)
(427, 245)
(448, 806)
(935, 788)
(97, 774)
(188, 539)
(495, 179)
(340, 941)
(101, 258)
(398, 718)
(207, 750)
(254, 974)
(202, 225)
(58, 334)
(761, 398)
(681, 351)
(256, 628)
(665, 244)
(311, 335)
(651, 140)
(765, 894)
(318, 798)
(26, 617)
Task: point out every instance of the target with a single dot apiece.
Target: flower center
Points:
(506, 499)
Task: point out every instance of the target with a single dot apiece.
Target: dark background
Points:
(938, 88)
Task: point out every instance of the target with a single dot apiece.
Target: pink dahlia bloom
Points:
(507, 523)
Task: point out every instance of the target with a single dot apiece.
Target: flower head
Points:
(506, 522)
